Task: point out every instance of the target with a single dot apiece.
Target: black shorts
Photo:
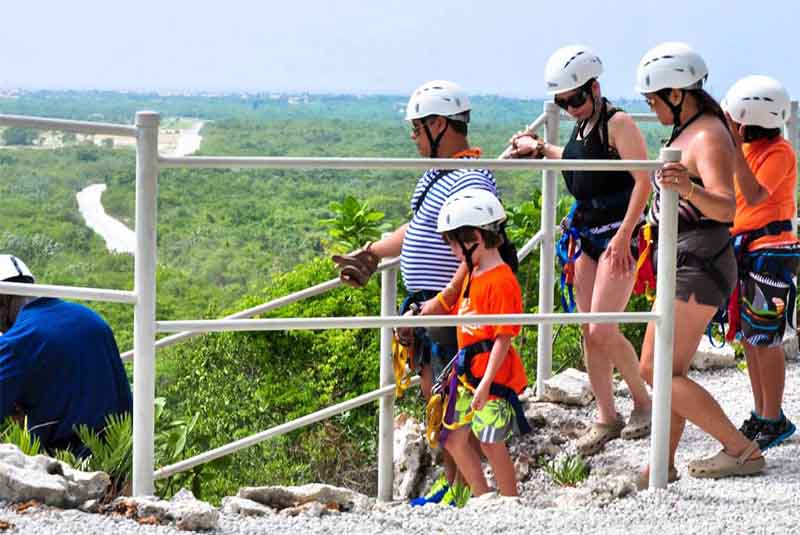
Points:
(712, 289)
(433, 346)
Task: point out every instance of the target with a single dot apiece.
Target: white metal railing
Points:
(143, 296)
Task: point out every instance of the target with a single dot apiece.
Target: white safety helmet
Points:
(570, 67)
(758, 100)
(12, 269)
(471, 207)
(439, 97)
(670, 65)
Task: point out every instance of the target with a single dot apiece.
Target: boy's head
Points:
(437, 110)
(471, 221)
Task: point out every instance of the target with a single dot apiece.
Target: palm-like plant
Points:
(354, 223)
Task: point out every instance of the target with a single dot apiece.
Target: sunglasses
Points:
(575, 101)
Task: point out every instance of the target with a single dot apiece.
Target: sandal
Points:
(638, 425)
(642, 482)
(724, 465)
(595, 439)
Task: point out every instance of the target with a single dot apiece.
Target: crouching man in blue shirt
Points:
(59, 364)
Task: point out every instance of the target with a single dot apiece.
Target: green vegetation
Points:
(569, 471)
(231, 239)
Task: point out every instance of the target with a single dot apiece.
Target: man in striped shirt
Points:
(438, 112)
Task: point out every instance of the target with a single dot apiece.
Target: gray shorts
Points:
(692, 279)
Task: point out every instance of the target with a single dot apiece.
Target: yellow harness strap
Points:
(644, 256)
(401, 356)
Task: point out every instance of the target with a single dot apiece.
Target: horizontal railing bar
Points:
(69, 292)
(372, 322)
(641, 117)
(282, 429)
(306, 293)
(81, 127)
(530, 246)
(282, 162)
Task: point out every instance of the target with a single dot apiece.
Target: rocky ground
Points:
(606, 503)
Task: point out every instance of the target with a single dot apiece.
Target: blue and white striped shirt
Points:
(426, 261)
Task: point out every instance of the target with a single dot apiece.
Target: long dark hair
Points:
(708, 104)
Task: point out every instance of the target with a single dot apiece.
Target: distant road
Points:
(118, 237)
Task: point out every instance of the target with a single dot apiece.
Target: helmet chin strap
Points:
(470, 265)
(434, 143)
(674, 108)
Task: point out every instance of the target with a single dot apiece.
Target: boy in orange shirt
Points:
(767, 249)
(489, 370)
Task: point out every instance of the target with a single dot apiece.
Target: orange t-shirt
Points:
(775, 167)
(494, 292)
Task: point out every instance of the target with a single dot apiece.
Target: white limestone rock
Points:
(412, 457)
(707, 356)
(570, 387)
(47, 480)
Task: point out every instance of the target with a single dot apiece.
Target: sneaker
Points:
(773, 432)
(751, 426)
(435, 495)
(457, 496)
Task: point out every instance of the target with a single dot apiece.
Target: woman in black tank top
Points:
(609, 207)
(671, 78)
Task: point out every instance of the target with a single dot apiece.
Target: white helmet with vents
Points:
(670, 65)
(471, 207)
(570, 67)
(758, 100)
(12, 269)
(439, 97)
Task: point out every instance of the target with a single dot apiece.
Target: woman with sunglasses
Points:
(607, 211)
(671, 77)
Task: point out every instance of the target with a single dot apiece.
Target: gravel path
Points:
(768, 504)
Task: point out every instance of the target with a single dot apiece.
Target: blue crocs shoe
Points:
(435, 495)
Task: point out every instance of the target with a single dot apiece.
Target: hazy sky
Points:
(378, 46)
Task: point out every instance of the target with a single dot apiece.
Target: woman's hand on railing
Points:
(525, 144)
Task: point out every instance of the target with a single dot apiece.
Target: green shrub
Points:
(567, 472)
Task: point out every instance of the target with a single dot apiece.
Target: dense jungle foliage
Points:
(230, 239)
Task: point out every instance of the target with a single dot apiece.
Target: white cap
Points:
(670, 65)
(12, 267)
(439, 97)
(570, 67)
(471, 207)
(758, 100)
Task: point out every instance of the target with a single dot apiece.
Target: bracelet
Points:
(688, 196)
(440, 298)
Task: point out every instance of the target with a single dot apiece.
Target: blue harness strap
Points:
(567, 258)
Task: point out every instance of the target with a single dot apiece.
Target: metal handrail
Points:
(69, 292)
(145, 325)
(79, 127)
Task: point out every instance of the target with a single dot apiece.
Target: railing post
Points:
(544, 347)
(792, 134)
(386, 409)
(145, 309)
(665, 330)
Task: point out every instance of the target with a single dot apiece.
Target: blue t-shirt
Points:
(60, 364)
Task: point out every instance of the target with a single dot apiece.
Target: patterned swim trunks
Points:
(494, 423)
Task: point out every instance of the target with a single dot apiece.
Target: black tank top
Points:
(589, 185)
